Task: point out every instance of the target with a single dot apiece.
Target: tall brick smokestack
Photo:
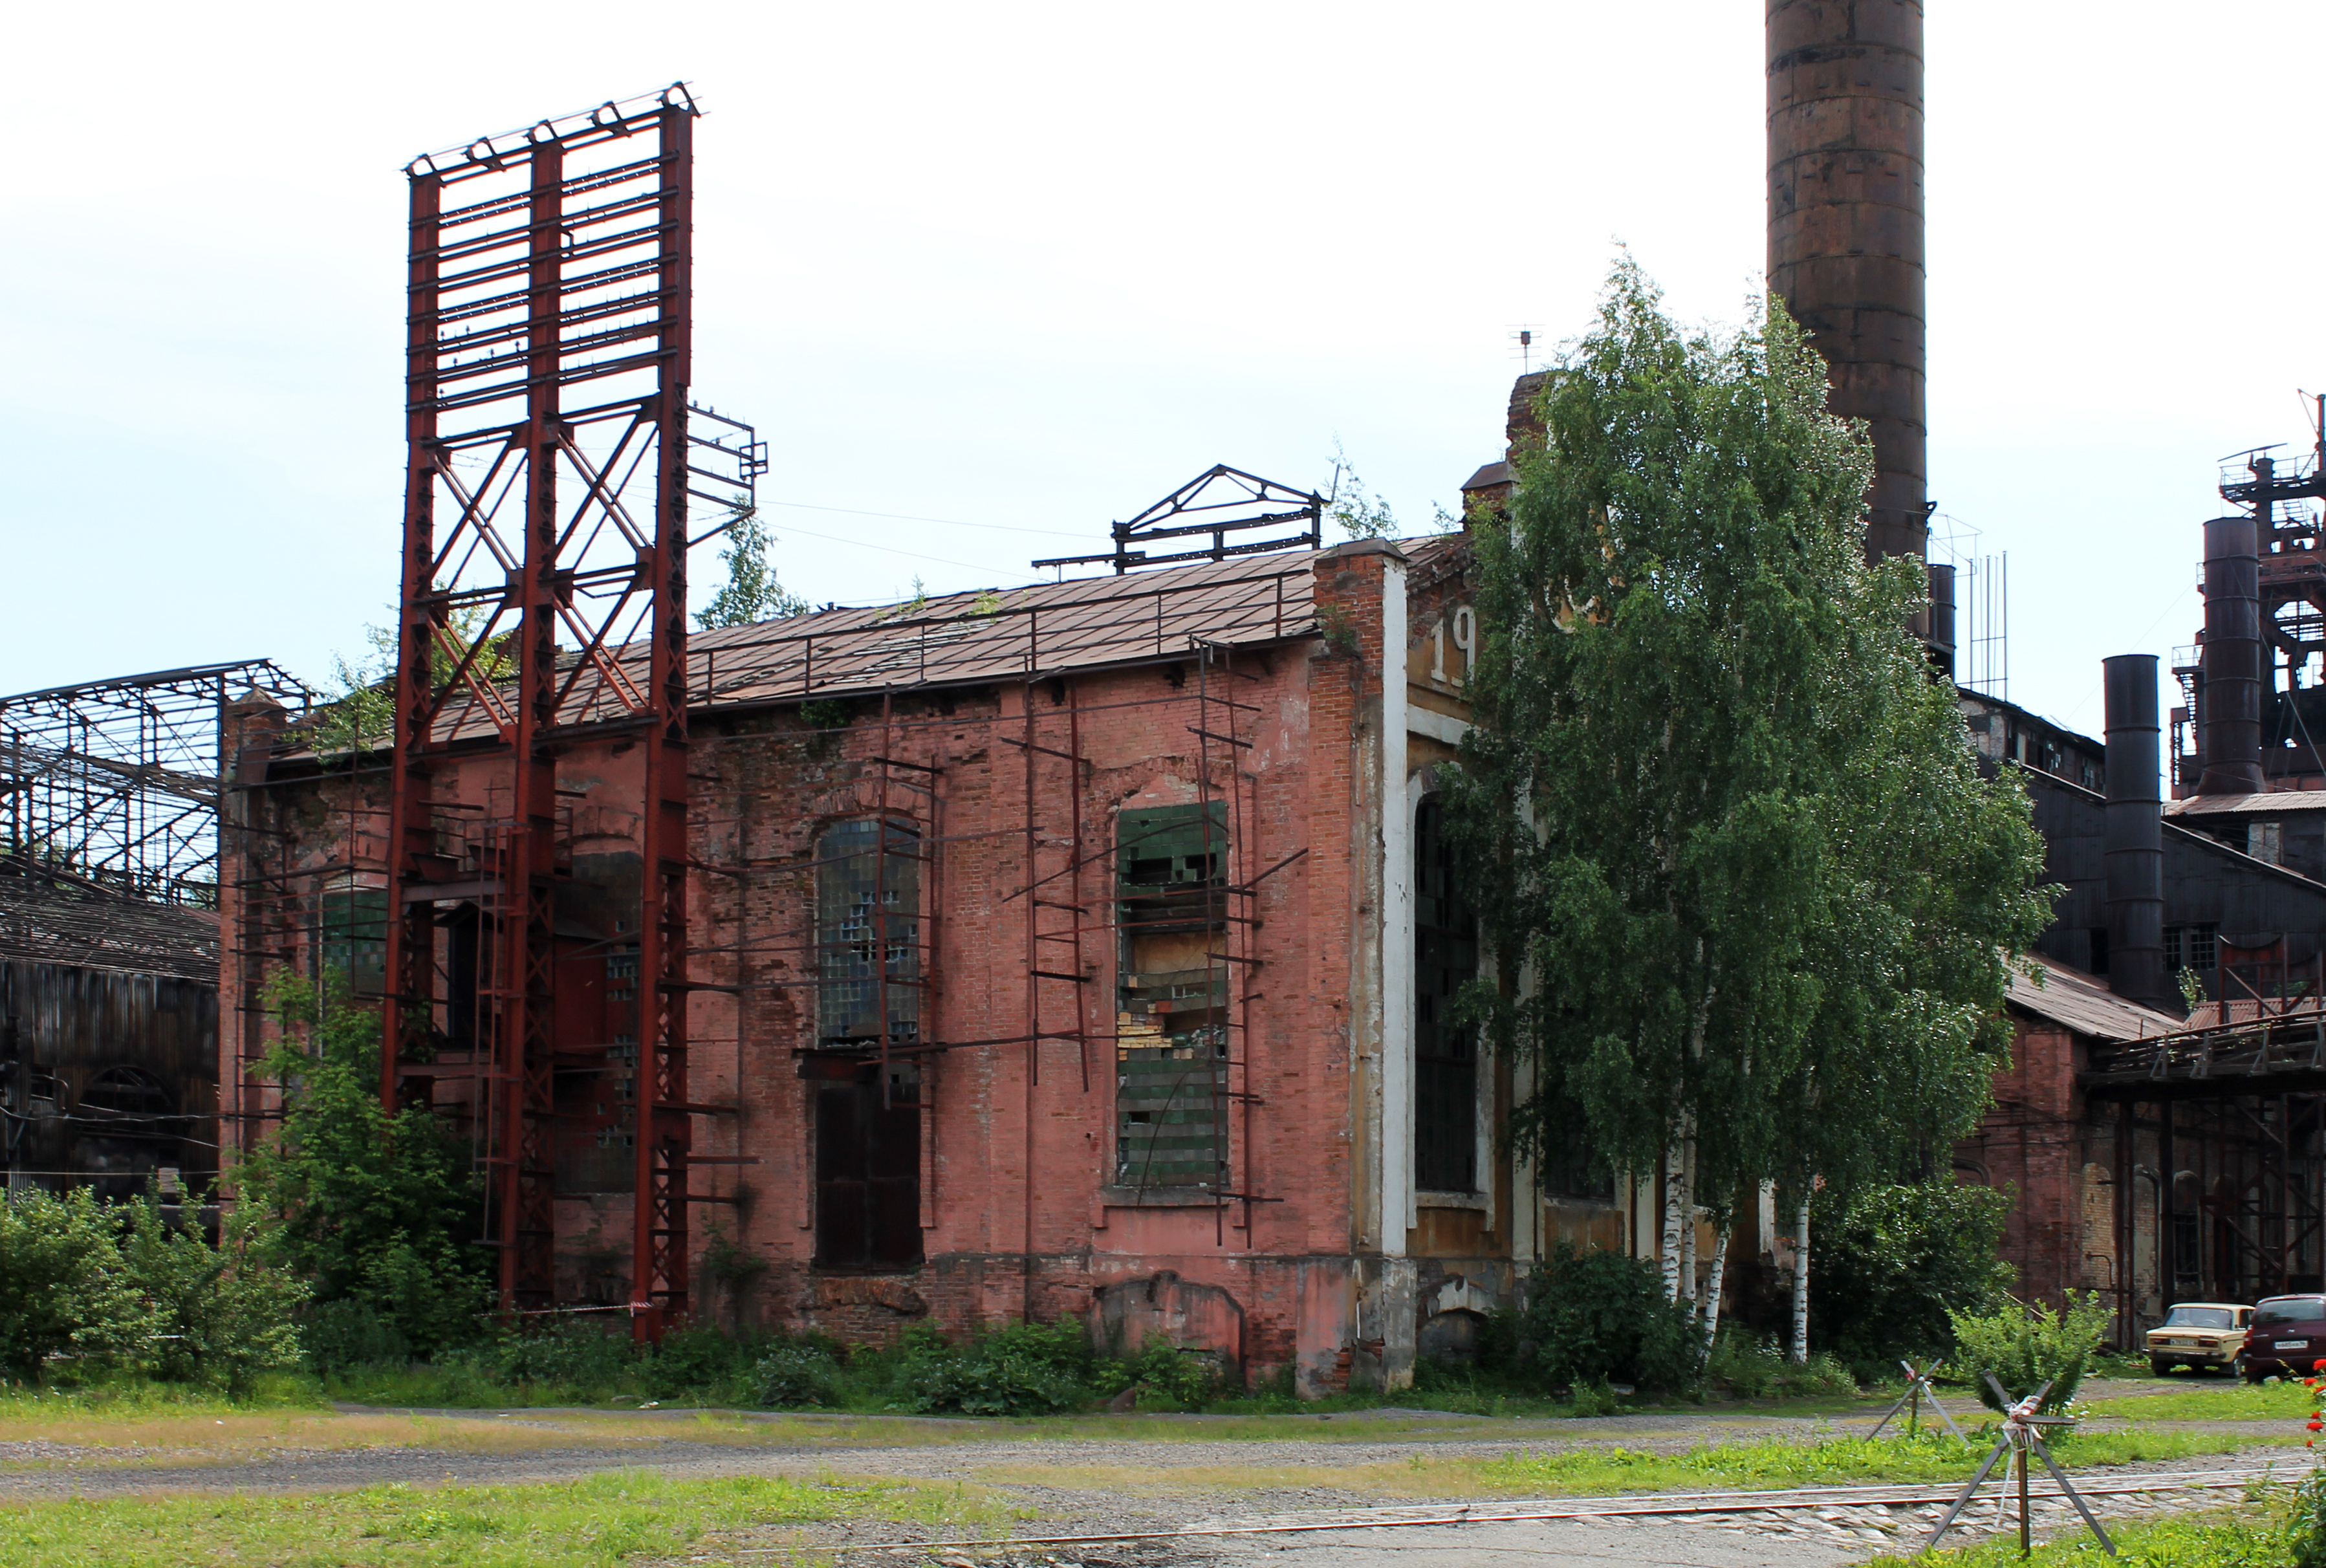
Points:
(1845, 235)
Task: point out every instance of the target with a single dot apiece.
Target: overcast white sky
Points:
(1027, 268)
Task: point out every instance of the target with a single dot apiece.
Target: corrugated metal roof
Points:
(990, 635)
(97, 930)
(2228, 805)
(2080, 1003)
(2241, 1009)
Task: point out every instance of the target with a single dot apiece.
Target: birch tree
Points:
(1718, 805)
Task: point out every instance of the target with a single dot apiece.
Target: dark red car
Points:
(2287, 1339)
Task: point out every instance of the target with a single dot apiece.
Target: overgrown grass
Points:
(609, 1518)
(1833, 1461)
(130, 1396)
(2214, 1402)
(2247, 1537)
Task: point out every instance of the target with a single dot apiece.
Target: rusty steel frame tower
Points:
(544, 594)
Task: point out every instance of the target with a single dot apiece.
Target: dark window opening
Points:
(1445, 1051)
(2191, 947)
(1171, 999)
(462, 929)
(2098, 936)
(867, 1171)
(867, 928)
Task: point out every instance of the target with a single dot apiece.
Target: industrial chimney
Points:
(2133, 836)
(2229, 701)
(1845, 235)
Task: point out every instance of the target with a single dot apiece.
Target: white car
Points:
(2203, 1334)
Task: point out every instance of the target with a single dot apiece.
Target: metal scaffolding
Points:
(117, 783)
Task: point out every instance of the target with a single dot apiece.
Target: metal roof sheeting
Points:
(2235, 805)
(2077, 1002)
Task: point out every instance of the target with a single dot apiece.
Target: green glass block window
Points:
(353, 937)
(867, 925)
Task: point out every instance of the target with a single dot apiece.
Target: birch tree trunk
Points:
(1712, 1286)
(1688, 1219)
(1675, 1195)
(1800, 1352)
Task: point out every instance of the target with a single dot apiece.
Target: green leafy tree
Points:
(380, 1212)
(1721, 815)
(358, 714)
(1895, 1258)
(752, 591)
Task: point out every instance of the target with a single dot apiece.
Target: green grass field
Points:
(2210, 1401)
(1836, 1461)
(610, 1518)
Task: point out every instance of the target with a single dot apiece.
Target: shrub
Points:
(798, 1373)
(1024, 1369)
(380, 1209)
(1892, 1261)
(219, 1315)
(343, 1335)
(1602, 1317)
(1751, 1366)
(2027, 1346)
(61, 1291)
(578, 1353)
(1171, 1378)
(2305, 1523)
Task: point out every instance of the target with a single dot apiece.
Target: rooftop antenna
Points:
(1523, 336)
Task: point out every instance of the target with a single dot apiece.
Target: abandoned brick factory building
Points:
(1082, 949)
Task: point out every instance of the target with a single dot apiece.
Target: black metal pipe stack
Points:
(2231, 664)
(2133, 834)
(1942, 617)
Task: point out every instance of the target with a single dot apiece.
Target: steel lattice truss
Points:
(550, 459)
(117, 782)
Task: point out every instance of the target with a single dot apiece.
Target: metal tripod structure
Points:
(544, 592)
(1918, 1387)
(2021, 1435)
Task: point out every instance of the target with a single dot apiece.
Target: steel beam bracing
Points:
(549, 466)
(117, 782)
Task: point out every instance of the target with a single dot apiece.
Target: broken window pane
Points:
(1171, 1002)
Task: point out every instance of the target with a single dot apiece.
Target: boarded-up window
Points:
(1445, 1051)
(1171, 1017)
(868, 917)
(868, 1167)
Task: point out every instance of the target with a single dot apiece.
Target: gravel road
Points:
(1195, 1476)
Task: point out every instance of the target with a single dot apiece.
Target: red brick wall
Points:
(2034, 1145)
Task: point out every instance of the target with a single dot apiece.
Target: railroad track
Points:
(1646, 1505)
